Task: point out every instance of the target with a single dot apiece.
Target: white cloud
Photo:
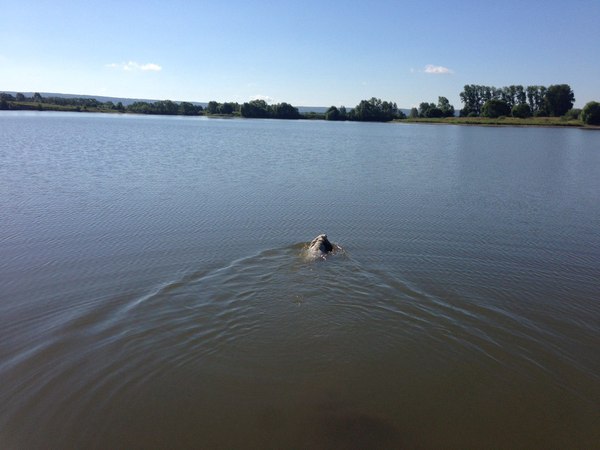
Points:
(132, 65)
(266, 98)
(151, 67)
(430, 68)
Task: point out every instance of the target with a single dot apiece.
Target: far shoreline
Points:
(541, 122)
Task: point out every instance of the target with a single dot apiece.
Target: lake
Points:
(155, 291)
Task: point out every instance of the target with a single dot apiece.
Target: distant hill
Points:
(315, 109)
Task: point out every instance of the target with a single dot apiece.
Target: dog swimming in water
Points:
(320, 245)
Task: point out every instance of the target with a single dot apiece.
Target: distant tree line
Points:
(8, 101)
(431, 110)
(373, 110)
(259, 109)
(478, 100)
(515, 100)
(226, 108)
(37, 101)
(255, 109)
(165, 107)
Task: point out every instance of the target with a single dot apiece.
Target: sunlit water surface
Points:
(155, 291)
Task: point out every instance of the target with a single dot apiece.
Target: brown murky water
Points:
(154, 290)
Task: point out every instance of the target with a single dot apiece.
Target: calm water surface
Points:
(154, 291)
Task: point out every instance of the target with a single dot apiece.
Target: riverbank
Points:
(500, 121)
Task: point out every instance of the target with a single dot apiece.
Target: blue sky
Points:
(304, 52)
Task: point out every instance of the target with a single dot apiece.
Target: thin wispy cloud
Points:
(132, 66)
(438, 70)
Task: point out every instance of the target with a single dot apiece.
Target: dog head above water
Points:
(320, 244)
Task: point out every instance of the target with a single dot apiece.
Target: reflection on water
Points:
(169, 301)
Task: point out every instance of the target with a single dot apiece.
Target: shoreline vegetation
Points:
(502, 121)
(483, 105)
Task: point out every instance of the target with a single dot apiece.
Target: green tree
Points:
(424, 108)
(470, 100)
(559, 99)
(590, 114)
(166, 107)
(6, 97)
(212, 107)
(284, 111)
(20, 97)
(255, 109)
(573, 114)
(520, 95)
(366, 110)
(187, 109)
(225, 108)
(430, 110)
(140, 108)
(37, 97)
(535, 99)
(474, 96)
(343, 113)
(435, 112)
(445, 106)
(332, 113)
(512, 95)
(228, 108)
(89, 102)
(495, 108)
(414, 113)
(375, 110)
(389, 111)
(522, 110)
